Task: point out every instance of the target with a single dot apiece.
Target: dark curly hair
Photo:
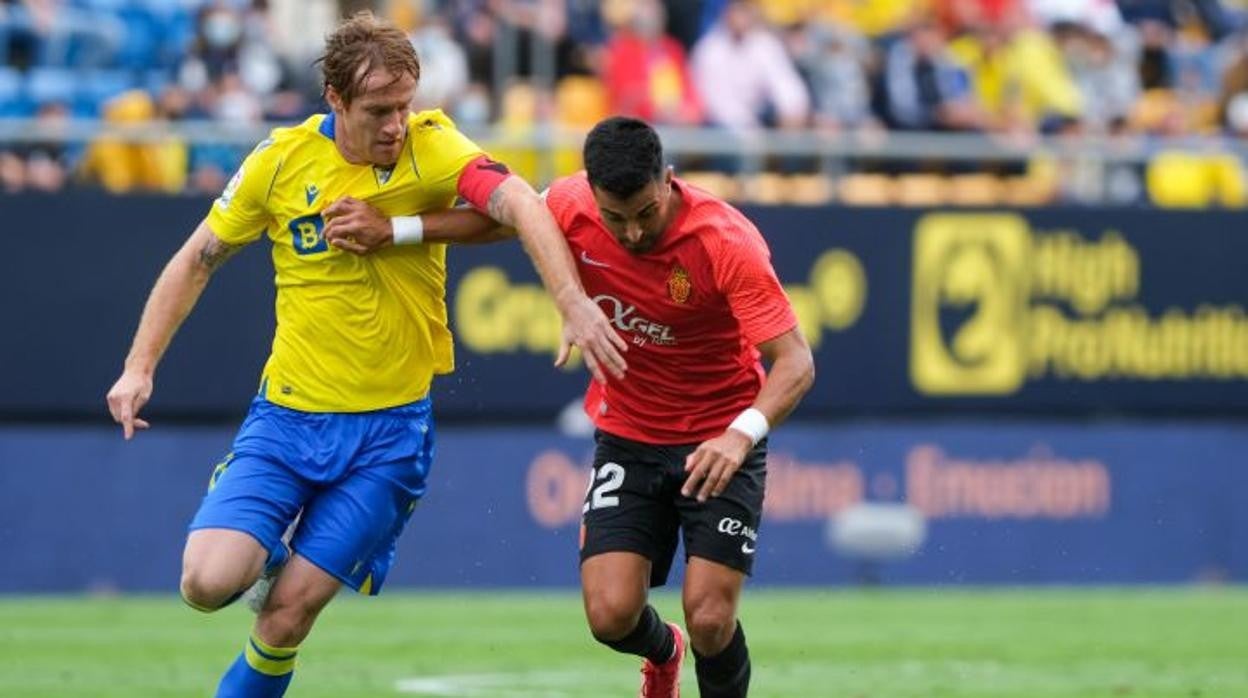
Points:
(622, 155)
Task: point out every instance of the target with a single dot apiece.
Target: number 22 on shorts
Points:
(606, 479)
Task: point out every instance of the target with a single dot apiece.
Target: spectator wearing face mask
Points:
(215, 49)
(227, 43)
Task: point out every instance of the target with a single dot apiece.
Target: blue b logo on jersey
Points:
(306, 231)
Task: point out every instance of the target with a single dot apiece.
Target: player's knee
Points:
(611, 618)
(711, 624)
(207, 592)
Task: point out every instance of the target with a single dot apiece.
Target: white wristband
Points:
(752, 423)
(408, 230)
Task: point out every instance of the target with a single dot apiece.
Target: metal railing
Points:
(832, 154)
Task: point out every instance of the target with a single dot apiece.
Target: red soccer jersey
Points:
(692, 309)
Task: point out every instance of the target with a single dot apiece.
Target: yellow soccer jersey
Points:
(353, 333)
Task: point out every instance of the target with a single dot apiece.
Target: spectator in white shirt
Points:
(746, 78)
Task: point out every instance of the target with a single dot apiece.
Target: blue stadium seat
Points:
(98, 86)
(175, 30)
(155, 81)
(101, 5)
(50, 85)
(13, 100)
(143, 37)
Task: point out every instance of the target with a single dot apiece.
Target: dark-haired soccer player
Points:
(681, 444)
(688, 281)
(341, 428)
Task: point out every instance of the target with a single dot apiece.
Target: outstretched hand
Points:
(355, 226)
(586, 327)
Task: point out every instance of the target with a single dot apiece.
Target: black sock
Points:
(651, 638)
(727, 674)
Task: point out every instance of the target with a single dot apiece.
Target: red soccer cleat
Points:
(663, 680)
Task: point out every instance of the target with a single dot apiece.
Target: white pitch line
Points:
(498, 685)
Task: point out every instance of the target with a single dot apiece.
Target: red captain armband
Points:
(479, 179)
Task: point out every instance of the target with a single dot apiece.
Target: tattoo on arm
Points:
(497, 208)
(214, 253)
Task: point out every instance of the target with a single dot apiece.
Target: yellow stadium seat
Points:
(976, 190)
(922, 190)
(519, 111)
(717, 183)
(809, 190)
(765, 188)
(1028, 191)
(1230, 182)
(580, 101)
(866, 190)
(520, 106)
(1177, 179)
(1183, 179)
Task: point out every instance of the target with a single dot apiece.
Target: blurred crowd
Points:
(1017, 68)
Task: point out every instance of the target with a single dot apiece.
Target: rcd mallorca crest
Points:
(678, 286)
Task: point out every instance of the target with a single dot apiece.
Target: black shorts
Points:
(634, 505)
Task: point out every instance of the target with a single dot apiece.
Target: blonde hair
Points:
(361, 45)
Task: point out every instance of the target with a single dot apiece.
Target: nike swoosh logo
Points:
(593, 262)
(747, 548)
(494, 166)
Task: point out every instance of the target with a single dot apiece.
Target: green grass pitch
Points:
(943, 643)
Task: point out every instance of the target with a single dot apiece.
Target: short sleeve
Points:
(241, 215)
(439, 141)
(744, 273)
(562, 199)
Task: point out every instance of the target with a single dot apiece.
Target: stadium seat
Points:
(765, 188)
(1183, 179)
(975, 190)
(580, 102)
(519, 111)
(1025, 191)
(110, 6)
(50, 85)
(520, 106)
(866, 190)
(922, 190)
(1231, 184)
(155, 81)
(809, 190)
(143, 32)
(95, 87)
(1179, 179)
(721, 185)
(13, 101)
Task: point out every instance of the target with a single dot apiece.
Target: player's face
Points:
(375, 123)
(637, 221)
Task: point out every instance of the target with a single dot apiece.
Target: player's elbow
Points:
(523, 206)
